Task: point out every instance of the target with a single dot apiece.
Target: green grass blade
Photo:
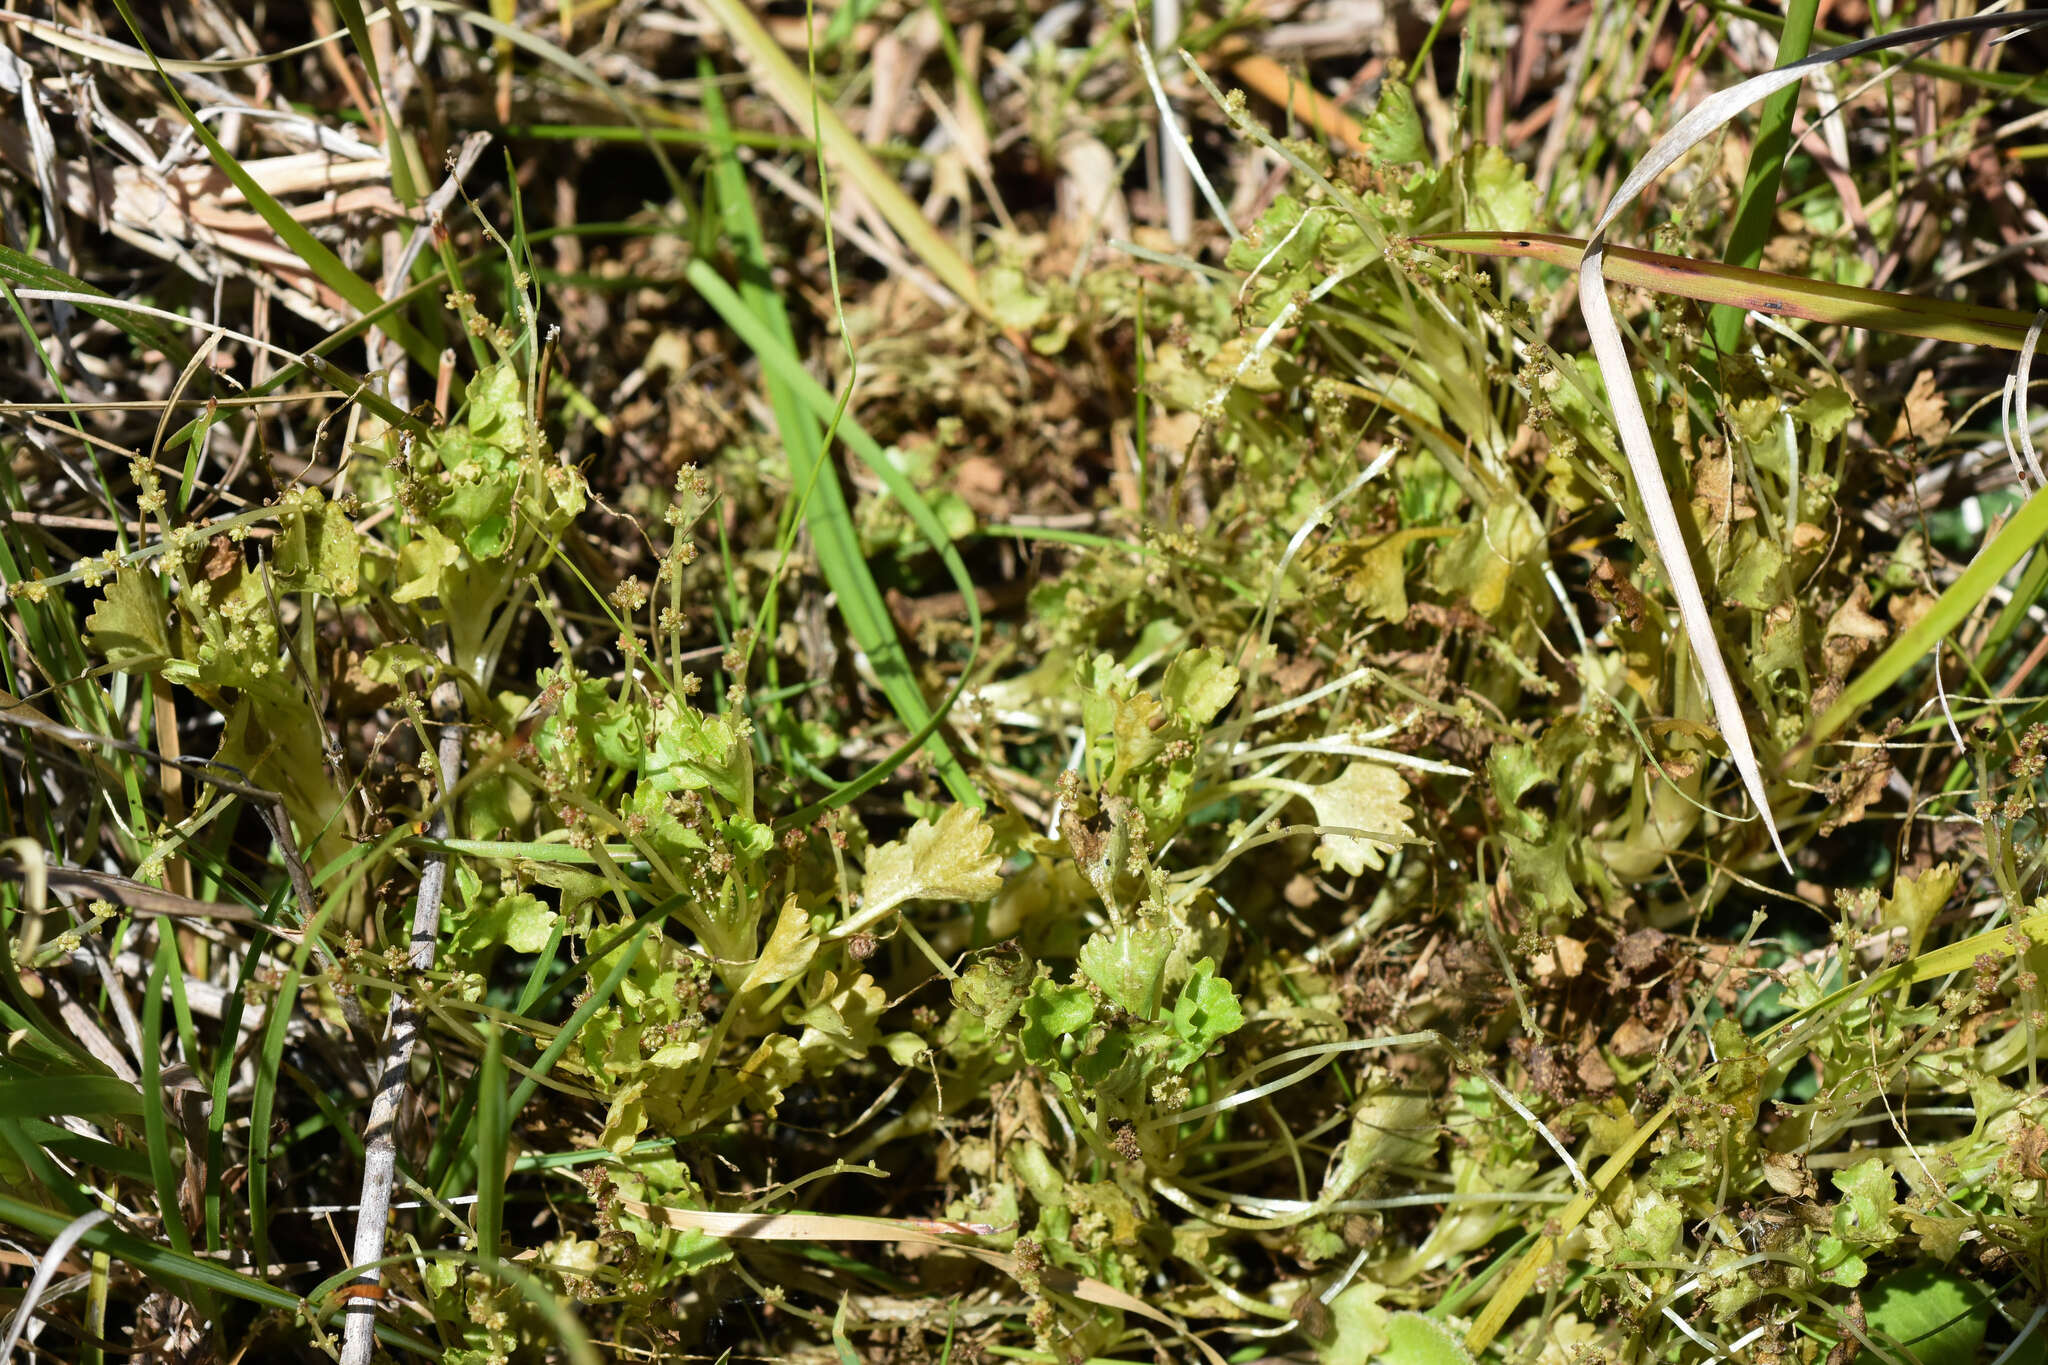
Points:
(801, 438)
(1758, 207)
(493, 1131)
(2032, 584)
(2019, 84)
(150, 333)
(592, 1003)
(33, 1152)
(398, 150)
(41, 1097)
(832, 532)
(155, 1130)
(1962, 597)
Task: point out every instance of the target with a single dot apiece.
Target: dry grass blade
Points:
(818, 1227)
(46, 1270)
(781, 79)
(1759, 291)
(96, 47)
(1629, 419)
(149, 900)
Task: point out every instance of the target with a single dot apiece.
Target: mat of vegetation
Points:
(955, 681)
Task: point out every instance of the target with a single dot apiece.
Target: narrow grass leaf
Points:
(155, 1130)
(1757, 209)
(575, 66)
(789, 89)
(95, 47)
(837, 544)
(1759, 291)
(1962, 597)
(19, 268)
(41, 1097)
(493, 1130)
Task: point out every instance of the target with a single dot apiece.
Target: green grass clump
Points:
(981, 782)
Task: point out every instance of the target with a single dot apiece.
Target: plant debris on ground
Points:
(946, 682)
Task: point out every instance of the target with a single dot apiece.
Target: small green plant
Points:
(1154, 810)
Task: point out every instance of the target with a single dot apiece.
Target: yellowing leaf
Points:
(1198, 685)
(318, 549)
(1481, 563)
(948, 861)
(1373, 570)
(840, 1025)
(1916, 899)
(790, 948)
(528, 922)
(1827, 412)
(1358, 1326)
(1365, 796)
(1502, 194)
(422, 563)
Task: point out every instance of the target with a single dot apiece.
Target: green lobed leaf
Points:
(1127, 962)
(127, 627)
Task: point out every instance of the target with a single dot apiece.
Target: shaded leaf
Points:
(127, 626)
(1365, 796)
(1937, 1317)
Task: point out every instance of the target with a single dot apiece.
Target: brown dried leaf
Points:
(1924, 417)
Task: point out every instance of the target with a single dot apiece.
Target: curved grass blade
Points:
(1759, 291)
(2018, 84)
(1598, 310)
(1759, 203)
(95, 47)
(151, 333)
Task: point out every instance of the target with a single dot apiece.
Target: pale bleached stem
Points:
(380, 1137)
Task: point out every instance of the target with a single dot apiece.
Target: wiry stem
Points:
(380, 1144)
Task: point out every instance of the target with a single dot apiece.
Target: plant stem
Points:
(380, 1139)
(1759, 203)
